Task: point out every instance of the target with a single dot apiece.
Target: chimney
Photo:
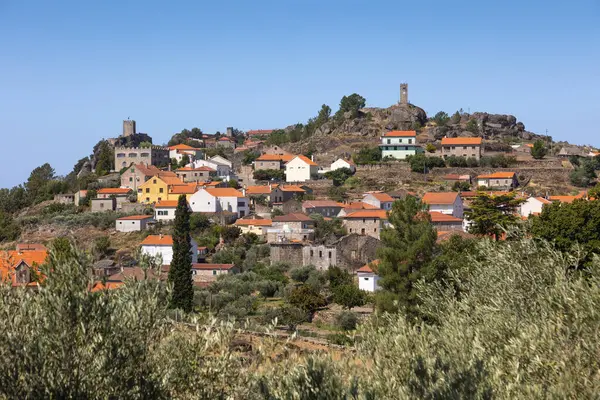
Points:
(270, 186)
(244, 191)
(312, 157)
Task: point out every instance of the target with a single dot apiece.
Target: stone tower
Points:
(129, 127)
(404, 93)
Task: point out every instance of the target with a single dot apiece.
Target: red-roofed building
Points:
(399, 144)
(467, 147)
(505, 180)
(258, 132)
(216, 200)
(444, 202)
(533, 206)
(20, 267)
(379, 199)
(367, 277)
(162, 245)
(196, 174)
(301, 169)
(365, 222)
(326, 208)
(445, 222)
(258, 226)
(272, 161)
(210, 272)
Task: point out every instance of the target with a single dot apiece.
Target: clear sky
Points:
(71, 71)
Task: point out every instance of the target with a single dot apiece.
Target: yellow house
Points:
(256, 226)
(156, 189)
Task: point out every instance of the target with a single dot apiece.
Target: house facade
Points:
(152, 155)
(501, 180)
(445, 222)
(365, 222)
(215, 200)
(209, 272)
(272, 161)
(467, 147)
(200, 174)
(533, 206)
(251, 225)
(449, 203)
(399, 144)
(368, 280)
(326, 208)
(181, 150)
(301, 169)
(343, 163)
(165, 210)
(133, 223)
(137, 174)
(156, 189)
(119, 194)
(283, 193)
(222, 169)
(291, 227)
(380, 200)
(162, 245)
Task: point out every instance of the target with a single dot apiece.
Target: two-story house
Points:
(365, 222)
(326, 208)
(500, 180)
(272, 161)
(164, 210)
(301, 169)
(223, 168)
(399, 144)
(449, 203)
(137, 174)
(282, 193)
(379, 199)
(155, 245)
(467, 147)
(119, 194)
(291, 227)
(445, 222)
(258, 226)
(156, 188)
(215, 200)
(178, 151)
(200, 174)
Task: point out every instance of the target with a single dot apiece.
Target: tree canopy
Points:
(491, 215)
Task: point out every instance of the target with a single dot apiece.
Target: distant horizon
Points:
(73, 71)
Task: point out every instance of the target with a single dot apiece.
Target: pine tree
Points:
(406, 249)
(489, 215)
(180, 274)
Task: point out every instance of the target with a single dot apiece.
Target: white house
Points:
(180, 150)
(133, 223)
(367, 278)
(214, 200)
(532, 206)
(164, 210)
(223, 169)
(162, 245)
(341, 163)
(445, 202)
(300, 169)
(399, 144)
(380, 200)
(221, 160)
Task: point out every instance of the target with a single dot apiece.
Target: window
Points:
(464, 147)
(312, 252)
(364, 220)
(375, 230)
(389, 141)
(214, 272)
(159, 199)
(147, 190)
(350, 230)
(409, 141)
(353, 254)
(473, 147)
(366, 279)
(130, 179)
(330, 255)
(154, 181)
(320, 254)
(362, 231)
(145, 155)
(148, 199)
(133, 155)
(161, 190)
(120, 222)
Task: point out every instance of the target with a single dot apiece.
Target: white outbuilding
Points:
(367, 278)
(133, 223)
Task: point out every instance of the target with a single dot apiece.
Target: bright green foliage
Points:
(491, 215)
(441, 118)
(105, 161)
(9, 229)
(406, 249)
(352, 104)
(421, 163)
(539, 150)
(339, 175)
(307, 299)
(461, 186)
(185, 160)
(180, 273)
(367, 155)
(349, 296)
(584, 174)
(568, 225)
(430, 148)
(37, 183)
(269, 175)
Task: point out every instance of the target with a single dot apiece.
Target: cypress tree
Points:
(180, 273)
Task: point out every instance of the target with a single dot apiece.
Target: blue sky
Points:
(71, 71)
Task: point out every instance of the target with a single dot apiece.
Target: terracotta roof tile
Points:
(259, 132)
(224, 192)
(182, 146)
(134, 218)
(370, 267)
(381, 214)
(461, 141)
(255, 222)
(158, 240)
(497, 175)
(441, 217)
(383, 197)
(320, 203)
(306, 160)
(400, 134)
(440, 197)
(113, 191)
(189, 188)
(275, 157)
(217, 267)
(261, 189)
(166, 204)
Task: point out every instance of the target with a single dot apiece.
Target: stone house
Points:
(153, 155)
(283, 193)
(326, 208)
(500, 180)
(199, 174)
(272, 161)
(101, 205)
(226, 142)
(121, 195)
(136, 174)
(399, 144)
(348, 208)
(467, 147)
(449, 203)
(276, 150)
(64, 198)
(366, 222)
(291, 227)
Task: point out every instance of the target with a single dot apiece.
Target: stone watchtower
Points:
(129, 127)
(404, 93)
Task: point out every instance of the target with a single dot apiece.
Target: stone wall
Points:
(354, 251)
(321, 256)
(290, 253)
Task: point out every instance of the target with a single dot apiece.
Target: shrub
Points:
(460, 186)
(340, 339)
(349, 296)
(472, 126)
(286, 315)
(301, 274)
(430, 148)
(367, 155)
(101, 246)
(454, 161)
(347, 320)
(421, 163)
(269, 175)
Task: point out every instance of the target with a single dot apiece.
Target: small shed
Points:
(133, 223)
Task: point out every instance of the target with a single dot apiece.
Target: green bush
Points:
(301, 274)
(460, 186)
(421, 163)
(367, 155)
(347, 320)
(340, 339)
(269, 175)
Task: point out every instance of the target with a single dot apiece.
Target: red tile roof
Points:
(202, 168)
(461, 141)
(261, 189)
(255, 222)
(383, 197)
(320, 203)
(113, 191)
(158, 240)
(381, 214)
(166, 204)
(134, 218)
(305, 159)
(441, 217)
(359, 205)
(296, 217)
(224, 192)
(400, 134)
(275, 157)
(182, 146)
(11, 259)
(440, 197)
(369, 267)
(259, 132)
(291, 188)
(189, 188)
(497, 175)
